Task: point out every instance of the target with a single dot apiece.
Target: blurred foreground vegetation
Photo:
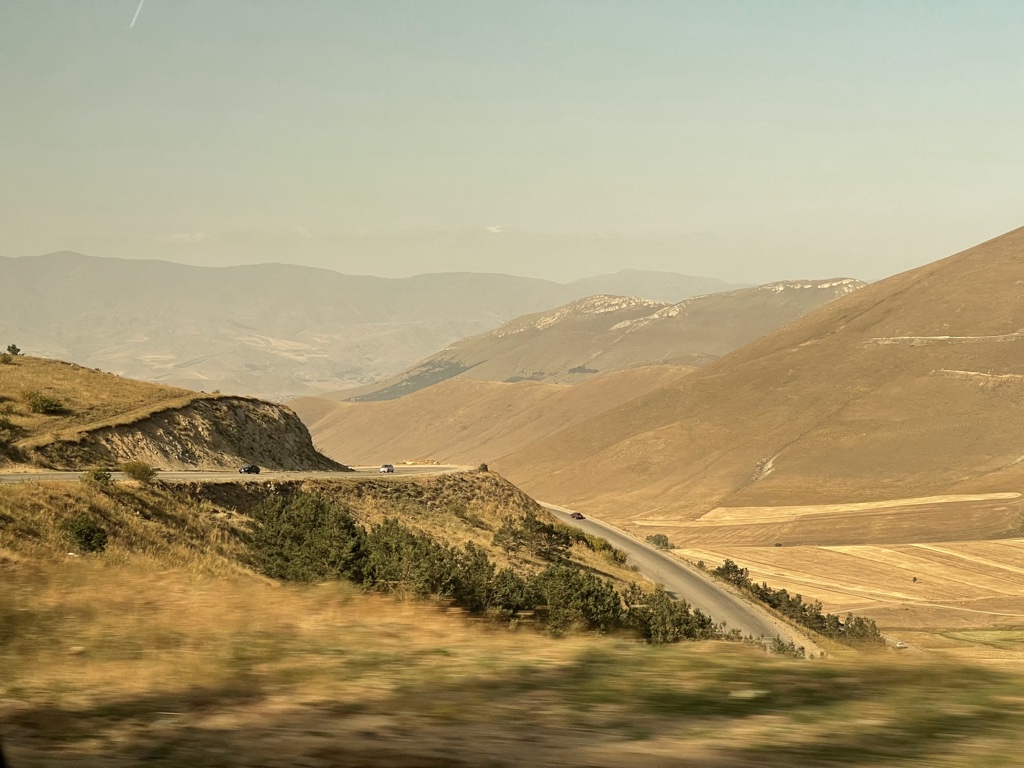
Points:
(136, 628)
(101, 665)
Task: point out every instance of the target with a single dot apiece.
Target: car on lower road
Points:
(577, 516)
(386, 469)
(248, 469)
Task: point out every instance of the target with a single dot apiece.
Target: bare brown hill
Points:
(604, 333)
(909, 387)
(63, 416)
(465, 421)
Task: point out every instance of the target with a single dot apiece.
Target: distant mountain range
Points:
(271, 330)
(604, 333)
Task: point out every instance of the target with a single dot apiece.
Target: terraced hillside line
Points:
(748, 515)
(994, 378)
(918, 341)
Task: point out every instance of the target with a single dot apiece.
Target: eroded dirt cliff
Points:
(208, 433)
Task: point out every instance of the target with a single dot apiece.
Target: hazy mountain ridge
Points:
(271, 329)
(603, 333)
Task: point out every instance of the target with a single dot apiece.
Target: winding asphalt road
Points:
(678, 579)
(227, 475)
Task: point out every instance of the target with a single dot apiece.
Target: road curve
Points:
(228, 475)
(677, 578)
(680, 580)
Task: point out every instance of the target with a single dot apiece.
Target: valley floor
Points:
(942, 573)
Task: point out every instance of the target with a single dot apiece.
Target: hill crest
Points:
(63, 416)
(606, 333)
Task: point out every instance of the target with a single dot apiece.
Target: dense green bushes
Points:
(85, 533)
(540, 539)
(660, 619)
(856, 630)
(568, 597)
(306, 537)
(97, 477)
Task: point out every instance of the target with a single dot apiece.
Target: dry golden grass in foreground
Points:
(103, 665)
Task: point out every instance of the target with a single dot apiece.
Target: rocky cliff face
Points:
(209, 433)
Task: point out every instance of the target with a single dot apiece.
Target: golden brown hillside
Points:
(59, 415)
(465, 421)
(868, 455)
(909, 387)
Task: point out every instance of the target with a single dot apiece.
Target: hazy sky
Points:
(749, 141)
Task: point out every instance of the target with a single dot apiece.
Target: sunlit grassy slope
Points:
(83, 397)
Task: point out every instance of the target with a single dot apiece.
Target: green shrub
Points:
(571, 598)
(139, 471)
(85, 533)
(40, 402)
(98, 477)
(482, 468)
(5, 358)
(13, 350)
(306, 537)
(660, 619)
(541, 539)
(660, 540)
(782, 648)
(402, 560)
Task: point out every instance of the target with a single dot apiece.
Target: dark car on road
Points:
(577, 516)
(249, 469)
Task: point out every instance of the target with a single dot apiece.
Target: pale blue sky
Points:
(744, 140)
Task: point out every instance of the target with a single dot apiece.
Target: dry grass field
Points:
(127, 666)
(932, 571)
